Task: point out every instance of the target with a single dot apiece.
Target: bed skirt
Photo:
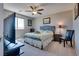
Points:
(37, 43)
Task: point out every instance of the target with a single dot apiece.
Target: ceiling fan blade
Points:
(40, 9)
(31, 7)
(35, 7)
(39, 13)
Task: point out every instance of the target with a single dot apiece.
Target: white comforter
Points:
(42, 35)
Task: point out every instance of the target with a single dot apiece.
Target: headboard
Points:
(48, 27)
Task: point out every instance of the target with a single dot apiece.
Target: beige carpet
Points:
(53, 49)
(60, 50)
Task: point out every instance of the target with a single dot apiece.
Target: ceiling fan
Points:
(35, 10)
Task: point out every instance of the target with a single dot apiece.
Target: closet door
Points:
(9, 28)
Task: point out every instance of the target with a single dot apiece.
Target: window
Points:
(19, 23)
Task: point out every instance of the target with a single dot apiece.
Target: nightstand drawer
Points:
(57, 36)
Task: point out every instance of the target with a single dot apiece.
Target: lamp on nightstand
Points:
(60, 28)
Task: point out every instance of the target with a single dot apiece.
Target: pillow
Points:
(43, 31)
(46, 31)
(37, 32)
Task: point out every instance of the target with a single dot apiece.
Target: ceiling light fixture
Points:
(34, 12)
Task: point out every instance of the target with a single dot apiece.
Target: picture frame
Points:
(46, 20)
(29, 22)
(76, 11)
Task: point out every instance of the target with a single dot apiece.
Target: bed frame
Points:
(47, 27)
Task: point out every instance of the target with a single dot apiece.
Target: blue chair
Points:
(68, 37)
(12, 49)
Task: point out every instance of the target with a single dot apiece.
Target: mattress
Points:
(39, 36)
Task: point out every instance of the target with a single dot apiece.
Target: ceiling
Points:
(49, 8)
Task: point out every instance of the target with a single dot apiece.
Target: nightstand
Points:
(57, 37)
(32, 30)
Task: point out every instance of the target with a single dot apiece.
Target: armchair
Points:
(12, 49)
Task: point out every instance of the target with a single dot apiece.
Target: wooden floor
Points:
(53, 49)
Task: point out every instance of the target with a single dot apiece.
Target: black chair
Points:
(68, 37)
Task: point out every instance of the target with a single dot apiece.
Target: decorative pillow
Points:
(48, 31)
(37, 32)
(43, 31)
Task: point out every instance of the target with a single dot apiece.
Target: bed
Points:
(42, 38)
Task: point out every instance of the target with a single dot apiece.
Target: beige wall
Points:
(7, 13)
(21, 32)
(65, 17)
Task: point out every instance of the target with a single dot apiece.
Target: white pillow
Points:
(45, 31)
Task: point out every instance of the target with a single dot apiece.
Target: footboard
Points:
(33, 42)
(37, 43)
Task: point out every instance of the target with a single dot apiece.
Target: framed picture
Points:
(46, 20)
(29, 22)
(76, 11)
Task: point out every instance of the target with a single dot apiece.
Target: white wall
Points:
(1, 29)
(65, 17)
(76, 28)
